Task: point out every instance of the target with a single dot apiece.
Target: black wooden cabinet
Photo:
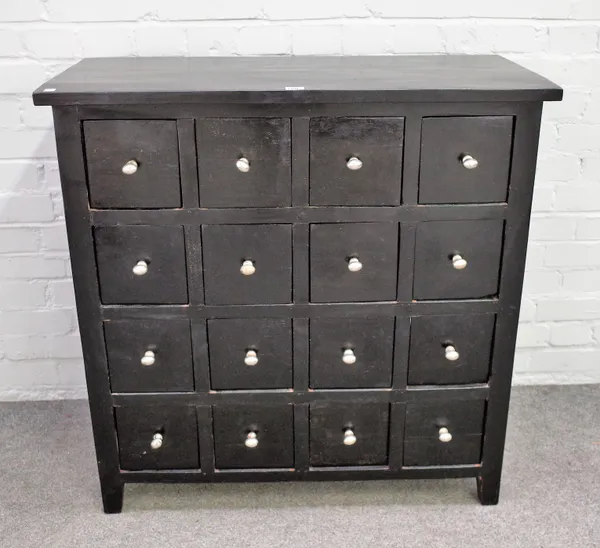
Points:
(297, 268)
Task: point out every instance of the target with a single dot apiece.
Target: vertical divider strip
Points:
(188, 163)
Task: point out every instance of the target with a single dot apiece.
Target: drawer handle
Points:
(469, 162)
(354, 163)
(130, 167)
(348, 356)
(445, 435)
(140, 268)
(247, 268)
(349, 437)
(251, 440)
(458, 262)
(157, 441)
(251, 358)
(451, 354)
(354, 265)
(243, 164)
(148, 358)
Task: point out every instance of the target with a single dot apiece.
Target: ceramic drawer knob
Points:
(243, 164)
(130, 167)
(354, 265)
(348, 356)
(157, 441)
(451, 354)
(140, 268)
(251, 440)
(458, 262)
(247, 268)
(444, 435)
(354, 163)
(148, 358)
(251, 358)
(469, 162)
(349, 437)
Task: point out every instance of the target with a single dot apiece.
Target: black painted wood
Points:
(375, 245)
(370, 339)
(478, 242)
(376, 142)
(264, 142)
(274, 429)
(445, 141)
(127, 341)
(230, 339)
(152, 144)
(120, 248)
(471, 336)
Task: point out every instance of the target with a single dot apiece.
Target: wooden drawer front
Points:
(149, 355)
(445, 177)
(250, 353)
(451, 349)
(157, 437)
(375, 146)
(440, 248)
(254, 436)
(347, 434)
(151, 144)
(334, 246)
(264, 143)
(120, 249)
(268, 250)
(424, 436)
(351, 353)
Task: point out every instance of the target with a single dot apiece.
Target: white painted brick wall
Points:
(560, 314)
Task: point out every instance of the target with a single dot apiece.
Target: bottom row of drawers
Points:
(262, 436)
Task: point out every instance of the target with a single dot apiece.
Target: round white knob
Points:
(251, 440)
(140, 268)
(148, 358)
(445, 436)
(157, 441)
(251, 358)
(349, 437)
(354, 265)
(458, 262)
(349, 357)
(243, 164)
(469, 162)
(354, 163)
(247, 268)
(130, 167)
(451, 353)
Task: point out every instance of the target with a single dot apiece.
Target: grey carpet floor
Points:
(49, 494)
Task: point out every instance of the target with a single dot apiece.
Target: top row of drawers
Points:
(247, 162)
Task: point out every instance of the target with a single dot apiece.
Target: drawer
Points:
(244, 162)
(443, 434)
(356, 161)
(351, 353)
(250, 353)
(353, 262)
(347, 434)
(132, 163)
(157, 437)
(451, 349)
(465, 159)
(254, 436)
(457, 259)
(141, 264)
(149, 355)
(247, 264)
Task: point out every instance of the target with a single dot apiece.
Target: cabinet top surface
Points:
(295, 79)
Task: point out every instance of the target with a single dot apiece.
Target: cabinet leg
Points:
(488, 489)
(112, 498)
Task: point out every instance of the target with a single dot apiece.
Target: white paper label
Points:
(294, 88)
